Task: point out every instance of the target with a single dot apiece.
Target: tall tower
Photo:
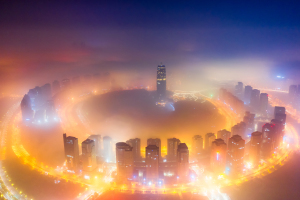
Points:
(218, 155)
(155, 142)
(161, 81)
(183, 162)
(124, 156)
(89, 155)
(172, 148)
(71, 152)
(235, 153)
(136, 148)
(197, 145)
(255, 147)
(98, 141)
(152, 160)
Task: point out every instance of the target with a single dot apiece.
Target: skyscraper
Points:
(136, 148)
(172, 148)
(209, 138)
(249, 121)
(279, 114)
(152, 160)
(224, 135)
(268, 144)
(161, 81)
(71, 152)
(124, 161)
(107, 149)
(247, 94)
(183, 162)
(239, 129)
(98, 146)
(264, 103)
(254, 100)
(156, 142)
(89, 161)
(197, 145)
(255, 147)
(27, 112)
(218, 155)
(235, 154)
(239, 90)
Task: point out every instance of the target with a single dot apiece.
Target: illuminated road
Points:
(75, 123)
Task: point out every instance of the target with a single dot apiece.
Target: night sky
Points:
(52, 40)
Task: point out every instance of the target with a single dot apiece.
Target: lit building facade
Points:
(209, 138)
(255, 147)
(183, 162)
(264, 102)
(152, 163)
(71, 152)
(98, 141)
(156, 142)
(218, 156)
(247, 94)
(89, 161)
(224, 135)
(161, 82)
(254, 100)
(124, 161)
(136, 148)
(172, 148)
(197, 145)
(235, 154)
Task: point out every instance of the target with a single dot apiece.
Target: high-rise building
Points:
(218, 155)
(98, 142)
(107, 149)
(264, 104)
(224, 135)
(183, 162)
(254, 100)
(247, 94)
(209, 138)
(269, 138)
(136, 148)
(89, 161)
(239, 90)
(172, 148)
(27, 112)
(124, 161)
(249, 121)
(279, 129)
(239, 129)
(197, 145)
(161, 81)
(152, 160)
(255, 147)
(235, 154)
(71, 152)
(157, 142)
(293, 93)
(279, 114)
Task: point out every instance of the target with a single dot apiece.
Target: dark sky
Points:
(61, 38)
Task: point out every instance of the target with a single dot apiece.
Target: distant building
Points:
(249, 121)
(152, 163)
(161, 81)
(235, 154)
(279, 114)
(27, 112)
(98, 141)
(197, 145)
(279, 129)
(254, 100)
(255, 147)
(71, 152)
(156, 142)
(264, 102)
(124, 161)
(224, 135)
(209, 138)
(247, 94)
(239, 129)
(269, 137)
(136, 148)
(172, 148)
(89, 161)
(218, 156)
(107, 149)
(183, 162)
(239, 90)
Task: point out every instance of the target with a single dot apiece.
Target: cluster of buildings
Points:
(152, 169)
(234, 102)
(37, 105)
